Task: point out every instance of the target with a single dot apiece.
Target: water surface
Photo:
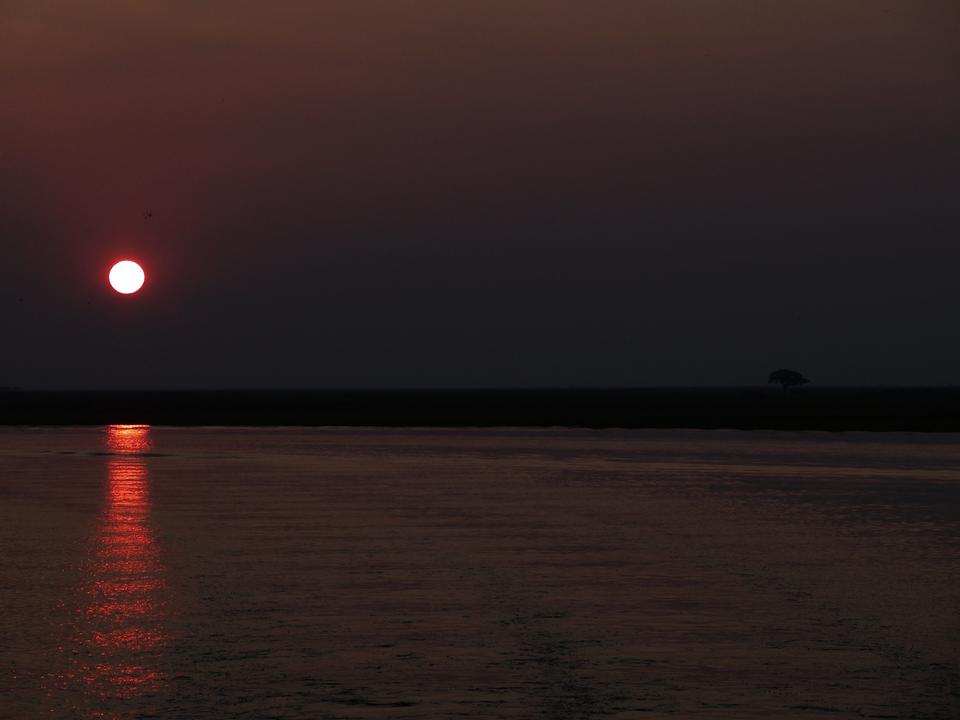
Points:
(325, 573)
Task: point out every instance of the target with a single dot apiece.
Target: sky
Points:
(460, 193)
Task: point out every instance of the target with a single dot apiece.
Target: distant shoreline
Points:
(827, 409)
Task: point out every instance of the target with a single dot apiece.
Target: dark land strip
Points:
(829, 409)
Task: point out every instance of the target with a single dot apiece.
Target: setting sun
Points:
(126, 277)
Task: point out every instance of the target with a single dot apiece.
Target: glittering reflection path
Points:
(120, 625)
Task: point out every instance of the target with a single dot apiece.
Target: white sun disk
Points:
(126, 277)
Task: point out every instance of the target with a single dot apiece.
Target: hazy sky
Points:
(360, 193)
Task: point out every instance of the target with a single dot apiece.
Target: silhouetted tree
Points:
(787, 378)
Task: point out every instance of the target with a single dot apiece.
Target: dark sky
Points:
(373, 193)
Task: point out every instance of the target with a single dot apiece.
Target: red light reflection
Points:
(121, 624)
(128, 439)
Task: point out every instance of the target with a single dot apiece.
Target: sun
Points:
(126, 277)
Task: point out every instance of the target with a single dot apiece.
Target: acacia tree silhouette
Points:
(787, 378)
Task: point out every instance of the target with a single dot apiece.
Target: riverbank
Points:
(829, 409)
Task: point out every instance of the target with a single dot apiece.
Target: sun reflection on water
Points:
(120, 625)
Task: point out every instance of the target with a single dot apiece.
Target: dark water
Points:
(288, 573)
